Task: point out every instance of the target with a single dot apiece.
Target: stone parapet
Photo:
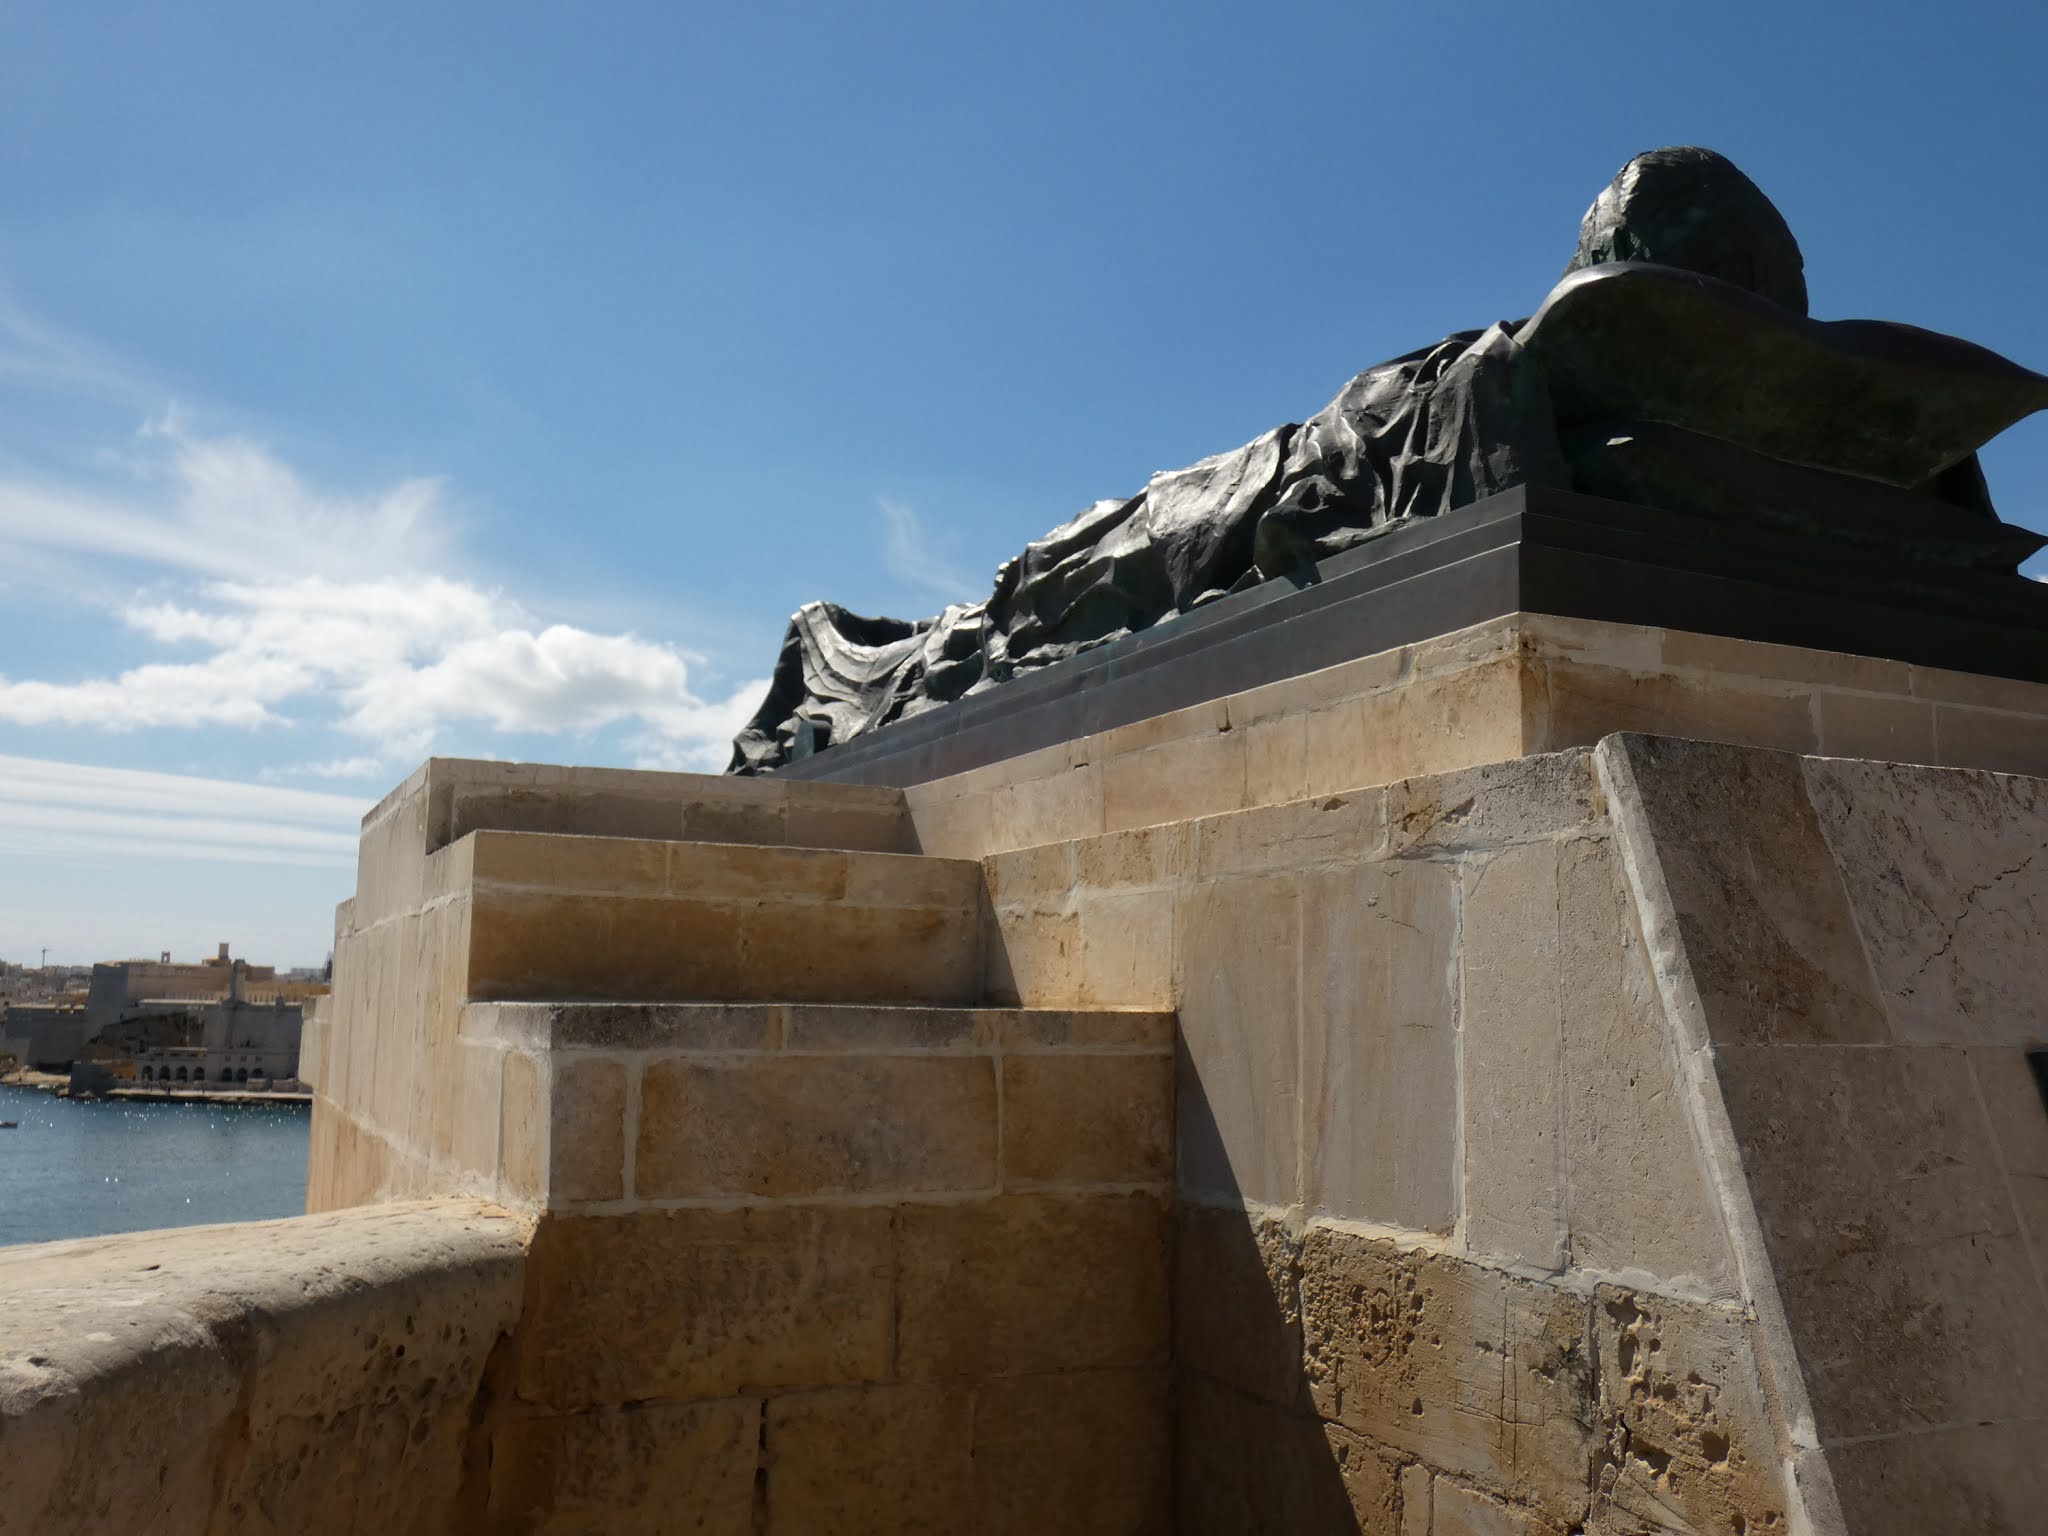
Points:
(323, 1374)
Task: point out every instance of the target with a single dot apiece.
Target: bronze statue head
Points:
(1691, 208)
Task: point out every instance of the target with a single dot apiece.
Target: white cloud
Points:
(910, 555)
(227, 507)
(52, 808)
(318, 608)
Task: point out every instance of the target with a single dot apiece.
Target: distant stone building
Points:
(222, 1020)
(46, 1036)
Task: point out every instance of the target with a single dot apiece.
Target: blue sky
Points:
(495, 380)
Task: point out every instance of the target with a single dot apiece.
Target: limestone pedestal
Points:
(1426, 1094)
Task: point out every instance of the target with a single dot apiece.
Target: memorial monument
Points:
(1674, 366)
(1471, 968)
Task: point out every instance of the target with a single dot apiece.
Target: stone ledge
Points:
(322, 1370)
(816, 1028)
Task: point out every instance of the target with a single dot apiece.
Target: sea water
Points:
(82, 1167)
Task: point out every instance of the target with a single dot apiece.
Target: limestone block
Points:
(1236, 1303)
(1460, 1511)
(587, 1131)
(1851, 1150)
(1511, 1012)
(1296, 696)
(716, 1303)
(475, 1111)
(835, 1027)
(1195, 776)
(666, 1027)
(524, 1155)
(1034, 959)
(870, 1461)
(1040, 878)
(535, 944)
(1026, 1283)
(840, 953)
(1242, 1465)
(867, 818)
(1141, 858)
(1713, 656)
(1575, 705)
(1276, 760)
(779, 1126)
(642, 1470)
(1065, 803)
(1948, 875)
(1759, 903)
(1981, 738)
(1416, 1509)
(1687, 1444)
(1331, 829)
(1492, 806)
(1895, 1339)
(1127, 949)
(1865, 725)
(614, 865)
(738, 821)
(1428, 724)
(1478, 1374)
(951, 825)
(1977, 1477)
(1379, 1043)
(1087, 1119)
(1638, 1192)
(1237, 944)
(1081, 1453)
(1030, 1029)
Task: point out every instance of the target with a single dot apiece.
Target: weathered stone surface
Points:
(777, 1126)
(1475, 1372)
(1087, 1119)
(1852, 1150)
(1638, 1197)
(1239, 1099)
(1493, 806)
(1511, 1013)
(1982, 1478)
(1958, 896)
(870, 1461)
(1236, 1303)
(1245, 1466)
(1082, 1453)
(316, 1374)
(1379, 1043)
(587, 1130)
(640, 1470)
(718, 1303)
(1686, 1444)
(1028, 1283)
(1760, 905)
(1895, 1339)
(1460, 1511)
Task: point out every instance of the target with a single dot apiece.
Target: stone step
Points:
(678, 1104)
(558, 917)
(465, 796)
(817, 1028)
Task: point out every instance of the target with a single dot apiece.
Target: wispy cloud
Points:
(318, 607)
(65, 809)
(911, 556)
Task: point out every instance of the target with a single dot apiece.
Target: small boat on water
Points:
(10, 1125)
